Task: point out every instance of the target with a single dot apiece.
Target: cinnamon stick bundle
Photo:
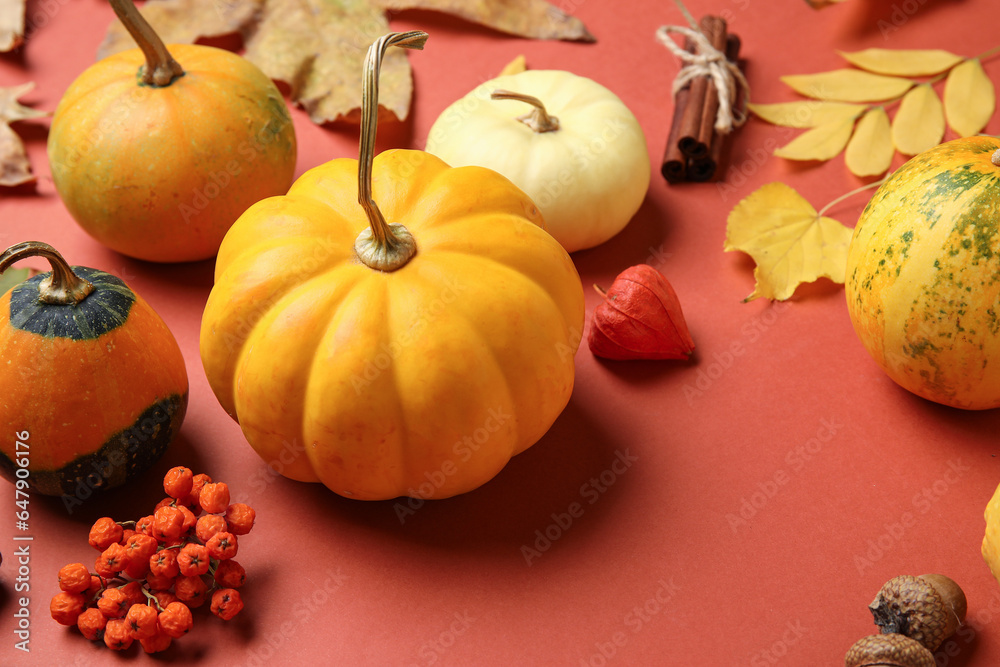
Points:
(694, 146)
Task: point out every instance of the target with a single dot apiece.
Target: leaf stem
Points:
(846, 195)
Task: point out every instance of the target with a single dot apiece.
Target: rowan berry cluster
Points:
(152, 572)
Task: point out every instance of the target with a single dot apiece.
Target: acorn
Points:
(928, 608)
(890, 650)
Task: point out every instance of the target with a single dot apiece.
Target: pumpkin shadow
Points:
(644, 240)
(575, 462)
(143, 491)
(973, 427)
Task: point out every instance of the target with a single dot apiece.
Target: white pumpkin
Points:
(588, 176)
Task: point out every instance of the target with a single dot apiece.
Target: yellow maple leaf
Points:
(790, 242)
(969, 98)
(902, 62)
(870, 150)
(919, 123)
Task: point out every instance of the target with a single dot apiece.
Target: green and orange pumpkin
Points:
(923, 274)
(95, 386)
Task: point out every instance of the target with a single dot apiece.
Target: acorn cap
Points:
(928, 608)
(890, 650)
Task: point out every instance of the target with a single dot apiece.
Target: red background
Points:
(851, 480)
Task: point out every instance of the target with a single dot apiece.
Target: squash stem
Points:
(853, 192)
(538, 120)
(161, 68)
(995, 158)
(62, 287)
(382, 246)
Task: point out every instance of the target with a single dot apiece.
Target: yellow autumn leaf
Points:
(902, 62)
(806, 113)
(819, 143)
(919, 122)
(848, 85)
(790, 242)
(515, 66)
(969, 98)
(870, 150)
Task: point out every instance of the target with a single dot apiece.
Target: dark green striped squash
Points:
(923, 274)
(93, 386)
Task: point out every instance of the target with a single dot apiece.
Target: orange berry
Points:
(240, 518)
(113, 603)
(142, 621)
(133, 592)
(91, 623)
(193, 560)
(74, 578)
(222, 546)
(158, 642)
(117, 635)
(209, 525)
(230, 574)
(192, 499)
(115, 558)
(226, 603)
(164, 597)
(178, 482)
(164, 563)
(159, 582)
(65, 607)
(214, 497)
(176, 619)
(104, 533)
(168, 523)
(190, 590)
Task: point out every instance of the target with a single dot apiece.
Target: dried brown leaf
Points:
(14, 167)
(317, 47)
(11, 24)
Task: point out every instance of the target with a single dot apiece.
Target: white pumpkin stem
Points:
(383, 246)
(538, 119)
(63, 287)
(996, 158)
(161, 69)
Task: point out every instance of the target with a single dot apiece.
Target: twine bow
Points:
(706, 60)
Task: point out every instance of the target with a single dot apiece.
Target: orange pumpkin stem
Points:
(383, 246)
(538, 119)
(63, 287)
(995, 159)
(161, 69)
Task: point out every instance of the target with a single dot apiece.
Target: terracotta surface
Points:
(740, 509)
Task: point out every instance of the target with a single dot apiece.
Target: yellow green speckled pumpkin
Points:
(923, 274)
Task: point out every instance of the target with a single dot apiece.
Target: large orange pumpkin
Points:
(94, 383)
(157, 161)
(412, 358)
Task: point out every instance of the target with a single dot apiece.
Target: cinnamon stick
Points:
(704, 168)
(674, 166)
(691, 140)
(716, 33)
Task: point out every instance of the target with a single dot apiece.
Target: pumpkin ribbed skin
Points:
(160, 173)
(101, 386)
(589, 177)
(422, 381)
(923, 275)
